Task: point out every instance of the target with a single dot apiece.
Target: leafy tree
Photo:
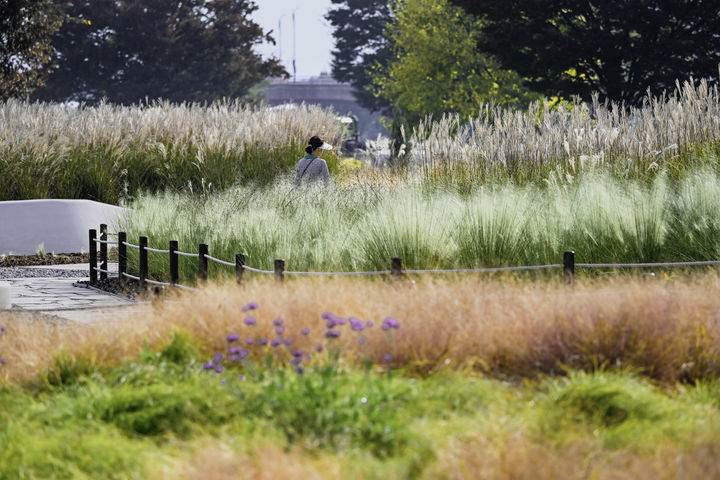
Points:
(618, 48)
(360, 44)
(436, 67)
(25, 30)
(181, 51)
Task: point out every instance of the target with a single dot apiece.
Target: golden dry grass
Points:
(511, 455)
(667, 329)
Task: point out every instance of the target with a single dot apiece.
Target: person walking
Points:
(311, 167)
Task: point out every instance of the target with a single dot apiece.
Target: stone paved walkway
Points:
(68, 299)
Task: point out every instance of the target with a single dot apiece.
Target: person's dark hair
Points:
(314, 143)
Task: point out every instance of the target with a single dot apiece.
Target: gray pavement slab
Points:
(67, 299)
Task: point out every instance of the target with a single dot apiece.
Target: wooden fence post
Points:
(122, 257)
(174, 270)
(103, 251)
(396, 267)
(239, 267)
(279, 270)
(569, 267)
(202, 262)
(93, 256)
(143, 262)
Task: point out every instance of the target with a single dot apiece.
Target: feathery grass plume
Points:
(666, 132)
(111, 152)
(361, 227)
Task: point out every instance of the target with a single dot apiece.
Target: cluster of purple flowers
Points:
(3, 361)
(237, 353)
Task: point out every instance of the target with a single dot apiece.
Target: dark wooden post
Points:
(202, 262)
(93, 256)
(239, 267)
(396, 267)
(122, 257)
(103, 251)
(143, 261)
(279, 270)
(174, 271)
(569, 267)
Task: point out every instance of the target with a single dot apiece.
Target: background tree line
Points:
(406, 58)
(125, 51)
(411, 58)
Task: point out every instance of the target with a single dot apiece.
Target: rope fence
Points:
(396, 270)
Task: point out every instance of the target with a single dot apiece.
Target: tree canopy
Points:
(618, 48)
(360, 43)
(25, 30)
(436, 67)
(129, 50)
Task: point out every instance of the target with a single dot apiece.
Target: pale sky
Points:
(313, 34)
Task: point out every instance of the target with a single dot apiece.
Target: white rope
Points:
(250, 269)
(153, 282)
(130, 245)
(131, 276)
(98, 269)
(184, 254)
(329, 274)
(185, 288)
(480, 270)
(97, 240)
(223, 262)
(649, 265)
(156, 250)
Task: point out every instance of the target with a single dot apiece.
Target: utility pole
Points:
(293, 60)
(280, 36)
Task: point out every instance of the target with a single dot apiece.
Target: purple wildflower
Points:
(249, 341)
(250, 306)
(250, 321)
(332, 334)
(361, 341)
(206, 365)
(234, 350)
(356, 324)
(275, 342)
(305, 331)
(219, 368)
(369, 324)
(327, 316)
(319, 348)
(297, 353)
(243, 353)
(279, 330)
(389, 323)
(288, 341)
(387, 357)
(217, 358)
(241, 377)
(296, 361)
(278, 322)
(330, 323)
(233, 358)
(340, 321)
(233, 337)
(263, 341)
(3, 329)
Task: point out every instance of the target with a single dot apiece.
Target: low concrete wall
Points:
(55, 226)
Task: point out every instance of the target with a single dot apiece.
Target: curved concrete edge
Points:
(53, 226)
